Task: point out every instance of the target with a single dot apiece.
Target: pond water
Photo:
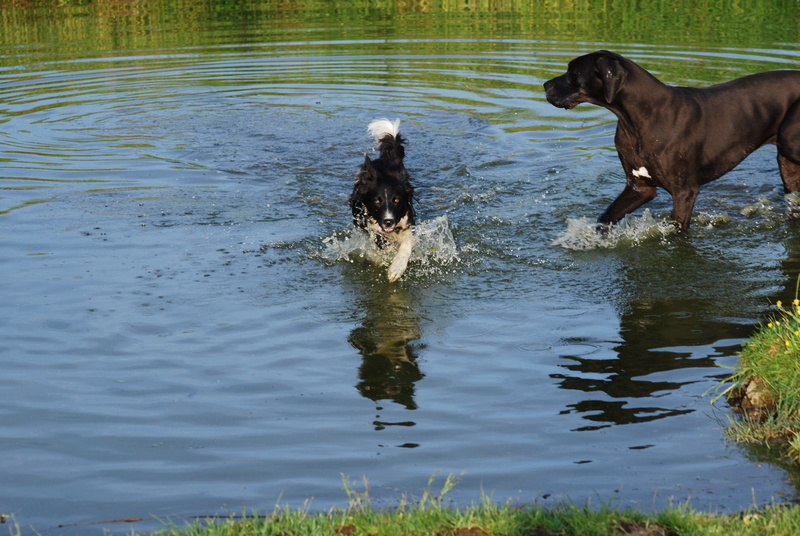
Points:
(190, 324)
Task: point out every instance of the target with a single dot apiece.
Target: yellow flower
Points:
(796, 302)
(769, 325)
(779, 303)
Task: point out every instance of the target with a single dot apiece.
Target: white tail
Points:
(379, 128)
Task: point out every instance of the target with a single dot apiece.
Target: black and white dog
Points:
(382, 196)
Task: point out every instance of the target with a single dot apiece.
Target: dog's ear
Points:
(613, 75)
(367, 171)
(408, 187)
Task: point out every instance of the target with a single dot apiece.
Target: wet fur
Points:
(382, 198)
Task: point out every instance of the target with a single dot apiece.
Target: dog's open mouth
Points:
(388, 228)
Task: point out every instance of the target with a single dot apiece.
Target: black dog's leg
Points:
(790, 174)
(789, 157)
(632, 197)
(682, 205)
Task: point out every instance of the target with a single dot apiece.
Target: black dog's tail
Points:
(387, 134)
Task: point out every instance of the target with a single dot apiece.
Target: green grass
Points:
(491, 520)
(429, 515)
(766, 385)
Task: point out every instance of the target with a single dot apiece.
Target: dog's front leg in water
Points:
(400, 261)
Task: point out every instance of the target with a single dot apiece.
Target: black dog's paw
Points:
(792, 205)
(603, 228)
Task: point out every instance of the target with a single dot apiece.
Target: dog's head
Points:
(596, 78)
(383, 194)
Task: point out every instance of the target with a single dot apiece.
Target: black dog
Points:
(382, 196)
(679, 138)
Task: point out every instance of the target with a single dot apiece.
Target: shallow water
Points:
(191, 324)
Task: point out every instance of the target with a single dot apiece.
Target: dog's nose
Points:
(388, 222)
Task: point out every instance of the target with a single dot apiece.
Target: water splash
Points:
(435, 247)
(709, 220)
(581, 233)
(761, 207)
(792, 203)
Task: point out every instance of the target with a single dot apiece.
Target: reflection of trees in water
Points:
(655, 339)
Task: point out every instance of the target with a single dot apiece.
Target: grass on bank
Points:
(430, 516)
(766, 384)
(491, 520)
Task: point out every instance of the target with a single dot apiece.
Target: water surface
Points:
(191, 325)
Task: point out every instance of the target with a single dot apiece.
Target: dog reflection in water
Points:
(385, 340)
(382, 198)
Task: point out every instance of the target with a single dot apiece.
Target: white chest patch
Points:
(403, 238)
(641, 172)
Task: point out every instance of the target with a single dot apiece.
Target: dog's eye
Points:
(377, 201)
(396, 200)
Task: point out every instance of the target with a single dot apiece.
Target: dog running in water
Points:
(382, 198)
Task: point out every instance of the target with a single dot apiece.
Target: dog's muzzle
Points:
(558, 96)
(388, 226)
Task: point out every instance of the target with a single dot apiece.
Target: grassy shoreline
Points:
(488, 519)
(765, 390)
(491, 520)
(429, 515)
